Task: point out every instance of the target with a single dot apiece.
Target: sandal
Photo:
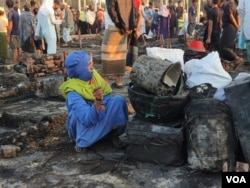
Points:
(80, 149)
(116, 86)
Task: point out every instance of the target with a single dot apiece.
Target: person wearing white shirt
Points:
(45, 25)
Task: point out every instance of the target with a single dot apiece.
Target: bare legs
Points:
(143, 40)
(118, 80)
(16, 55)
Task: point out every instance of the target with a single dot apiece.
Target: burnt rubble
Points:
(32, 126)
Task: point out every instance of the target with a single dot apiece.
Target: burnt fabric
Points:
(240, 108)
(160, 143)
(208, 123)
(113, 52)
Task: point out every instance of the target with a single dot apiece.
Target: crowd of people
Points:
(223, 23)
(21, 28)
(161, 22)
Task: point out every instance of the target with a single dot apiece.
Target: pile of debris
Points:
(166, 120)
(157, 94)
(40, 66)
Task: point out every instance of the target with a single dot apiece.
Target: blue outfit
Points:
(192, 11)
(85, 122)
(148, 13)
(164, 27)
(154, 26)
(87, 125)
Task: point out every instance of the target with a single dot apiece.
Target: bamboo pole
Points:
(198, 10)
(79, 5)
(79, 38)
(161, 3)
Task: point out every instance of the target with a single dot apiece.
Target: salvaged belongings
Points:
(169, 54)
(202, 91)
(196, 45)
(41, 66)
(157, 86)
(210, 134)
(191, 54)
(207, 70)
(154, 108)
(158, 143)
(237, 95)
(157, 76)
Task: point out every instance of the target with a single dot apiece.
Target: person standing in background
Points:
(14, 31)
(17, 6)
(213, 30)
(38, 42)
(230, 24)
(58, 16)
(149, 17)
(244, 10)
(154, 25)
(67, 24)
(26, 30)
(207, 6)
(46, 19)
(120, 22)
(32, 5)
(4, 51)
(74, 29)
(82, 21)
(192, 14)
(180, 15)
(99, 19)
(173, 19)
(90, 18)
(241, 44)
(164, 23)
(132, 53)
(143, 24)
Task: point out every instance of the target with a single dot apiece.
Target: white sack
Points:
(172, 55)
(242, 76)
(220, 95)
(207, 70)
